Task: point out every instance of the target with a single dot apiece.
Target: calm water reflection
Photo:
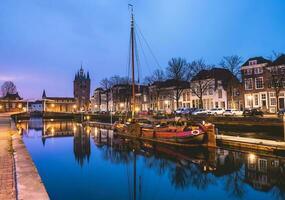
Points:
(77, 162)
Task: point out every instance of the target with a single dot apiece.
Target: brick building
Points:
(12, 103)
(259, 91)
(81, 89)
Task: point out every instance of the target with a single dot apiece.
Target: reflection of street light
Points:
(121, 105)
(251, 158)
(137, 109)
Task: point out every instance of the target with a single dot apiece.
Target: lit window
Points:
(253, 62)
(258, 70)
(256, 99)
(248, 71)
(248, 84)
(259, 83)
(220, 94)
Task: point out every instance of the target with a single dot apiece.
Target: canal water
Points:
(81, 162)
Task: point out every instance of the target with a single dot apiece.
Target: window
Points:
(258, 70)
(255, 99)
(272, 99)
(262, 165)
(188, 96)
(220, 94)
(211, 91)
(253, 62)
(184, 96)
(259, 83)
(248, 84)
(248, 71)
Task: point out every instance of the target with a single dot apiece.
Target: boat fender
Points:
(195, 132)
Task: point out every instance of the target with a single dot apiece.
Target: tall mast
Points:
(133, 62)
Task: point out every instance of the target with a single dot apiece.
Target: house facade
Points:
(209, 89)
(58, 104)
(12, 103)
(259, 92)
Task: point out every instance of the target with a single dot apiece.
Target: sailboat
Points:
(142, 128)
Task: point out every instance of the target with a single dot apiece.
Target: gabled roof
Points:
(280, 60)
(259, 59)
(170, 83)
(9, 96)
(214, 73)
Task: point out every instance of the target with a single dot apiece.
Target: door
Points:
(281, 103)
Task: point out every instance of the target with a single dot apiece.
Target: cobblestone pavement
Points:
(7, 182)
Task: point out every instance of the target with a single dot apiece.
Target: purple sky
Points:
(42, 43)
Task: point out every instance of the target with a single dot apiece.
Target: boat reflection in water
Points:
(233, 174)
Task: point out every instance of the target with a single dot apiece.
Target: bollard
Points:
(211, 135)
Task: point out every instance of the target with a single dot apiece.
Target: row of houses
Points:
(262, 85)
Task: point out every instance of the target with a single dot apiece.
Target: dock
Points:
(224, 141)
(237, 142)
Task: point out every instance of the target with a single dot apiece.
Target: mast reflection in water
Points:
(77, 162)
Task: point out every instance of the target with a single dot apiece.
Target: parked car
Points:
(281, 112)
(200, 112)
(253, 112)
(179, 111)
(216, 111)
(233, 112)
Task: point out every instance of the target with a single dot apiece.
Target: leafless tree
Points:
(8, 87)
(199, 85)
(158, 75)
(106, 85)
(232, 63)
(177, 71)
(276, 81)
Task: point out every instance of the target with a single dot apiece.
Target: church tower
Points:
(81, 89)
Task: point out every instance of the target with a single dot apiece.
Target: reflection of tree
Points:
(278, 191)
(183, 176)
(235, 178)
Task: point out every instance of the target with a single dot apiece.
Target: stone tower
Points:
(81, 89)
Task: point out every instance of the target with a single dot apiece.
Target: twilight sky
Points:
(43, 42)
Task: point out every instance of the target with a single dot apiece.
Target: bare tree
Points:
(199, 83)
(106, 85)
(276, 81)
(177, 71)
(8, 87)
(158, 75)
(232, 63)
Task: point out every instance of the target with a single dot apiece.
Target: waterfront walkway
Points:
(7, 170)
(19, 178)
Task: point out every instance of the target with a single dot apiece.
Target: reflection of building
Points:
(262, 173)
(81, 89)
(81, 145)
(12, 103)
(58, 104)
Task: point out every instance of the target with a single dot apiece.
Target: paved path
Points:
(7, 183)
(24, 177)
